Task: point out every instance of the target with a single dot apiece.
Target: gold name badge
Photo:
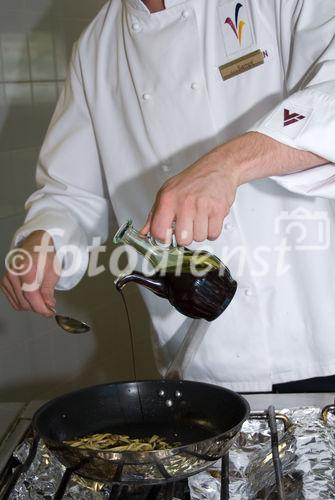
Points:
(242, 64)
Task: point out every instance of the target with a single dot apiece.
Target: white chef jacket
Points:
(144, 99)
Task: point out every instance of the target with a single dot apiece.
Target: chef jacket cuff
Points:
(69, 240)
(305, 121)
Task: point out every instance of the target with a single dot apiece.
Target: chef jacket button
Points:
(248, 292)
(136, 27)
(195, 86)
(228, 227)
(185, 14)
(166, 168)
(146, 97)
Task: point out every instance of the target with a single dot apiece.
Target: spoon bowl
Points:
(71, 325)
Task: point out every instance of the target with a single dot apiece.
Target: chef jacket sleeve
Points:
(305, 119)
(70, 202)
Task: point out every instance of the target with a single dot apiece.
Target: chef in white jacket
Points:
(217, 115)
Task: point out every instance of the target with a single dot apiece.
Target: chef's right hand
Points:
(32, 274)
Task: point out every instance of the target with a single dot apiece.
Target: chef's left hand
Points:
(197, 200)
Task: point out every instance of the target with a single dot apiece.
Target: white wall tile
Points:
(10, 21)
(4, 113)
(12, 326)
(23, 174)
(18, 129)
(71, 8)
(17, 173)
(15, 373)
(1, 65)
(3, 116)
(90, 9)
(8, 226)
(70, 353)
(42, 57)
(42, 6)
(6, 192)
(14, 51)
(60, 86)
(2, 99)
(18, 328)
(10, 5)
(18, 94)
(44, 98)
(40, 358)
(66, 33)
(62, 51)
(45, 93)
(57, 7)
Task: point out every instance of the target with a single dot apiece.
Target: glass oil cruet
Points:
(196, 283)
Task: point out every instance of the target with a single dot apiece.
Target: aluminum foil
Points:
(307, 452)
(43, 477)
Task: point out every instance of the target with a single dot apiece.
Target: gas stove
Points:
(280, 447)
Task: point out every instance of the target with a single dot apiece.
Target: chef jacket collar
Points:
(139, 5)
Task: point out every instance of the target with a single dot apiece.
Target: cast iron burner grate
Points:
(169, 489)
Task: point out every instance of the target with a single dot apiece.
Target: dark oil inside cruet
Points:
(202, 297)
(202, 289)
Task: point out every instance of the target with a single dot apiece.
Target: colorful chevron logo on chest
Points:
(239, 25)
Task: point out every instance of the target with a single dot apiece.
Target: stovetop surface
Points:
(15, 418)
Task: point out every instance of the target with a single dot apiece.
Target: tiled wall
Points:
(37, 360)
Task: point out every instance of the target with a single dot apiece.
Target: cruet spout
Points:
(154, 283)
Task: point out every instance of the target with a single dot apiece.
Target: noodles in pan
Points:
(119, 443)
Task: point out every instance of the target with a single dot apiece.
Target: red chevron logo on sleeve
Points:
(290, 118)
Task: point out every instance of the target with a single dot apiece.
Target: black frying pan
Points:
(202, 418)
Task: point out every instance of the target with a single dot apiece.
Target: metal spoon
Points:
(71, 325)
